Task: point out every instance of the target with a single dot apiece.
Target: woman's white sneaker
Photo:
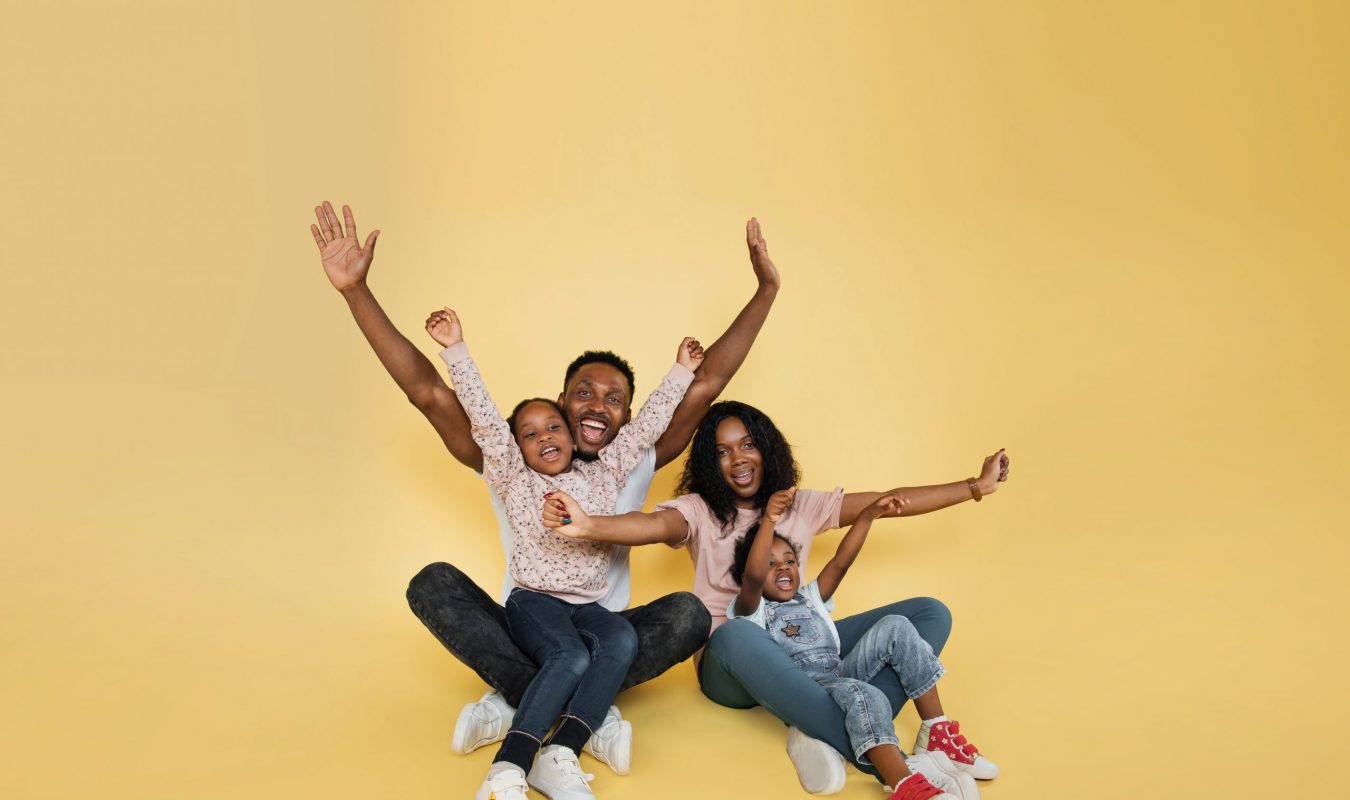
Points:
(482, 723)
(820, 768)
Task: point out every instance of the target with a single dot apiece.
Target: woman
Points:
(738, 460)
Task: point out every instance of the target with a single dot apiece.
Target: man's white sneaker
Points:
(481, 723)
(820, 768)
(558, 776)
(612, 742)
(942, 773)
(504, 782)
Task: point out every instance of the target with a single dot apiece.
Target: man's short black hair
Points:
(600, 357)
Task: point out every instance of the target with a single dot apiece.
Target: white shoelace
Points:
(571, 767)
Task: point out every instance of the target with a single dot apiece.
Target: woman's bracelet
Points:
(974, 487)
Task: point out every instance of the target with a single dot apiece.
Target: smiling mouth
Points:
(743, 478)
(592, 430)
(550, 453)
(784, 582)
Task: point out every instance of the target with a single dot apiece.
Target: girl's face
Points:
(544, 440)
(783, 578)
(739, 459)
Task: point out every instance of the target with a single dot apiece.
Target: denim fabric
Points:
(894, 644)
(583, 652)
(743, 667)
(472, 626)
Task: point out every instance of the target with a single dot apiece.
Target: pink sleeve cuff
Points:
(455, 353)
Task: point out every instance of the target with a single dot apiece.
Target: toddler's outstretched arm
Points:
(828, 580)
(757, 562)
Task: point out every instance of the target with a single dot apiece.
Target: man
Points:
(597, 398)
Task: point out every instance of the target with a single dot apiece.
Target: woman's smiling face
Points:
(739, 460)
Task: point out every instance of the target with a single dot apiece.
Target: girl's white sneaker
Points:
(557, 774)
(504, 782)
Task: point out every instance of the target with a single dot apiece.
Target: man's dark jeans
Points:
(472, 626)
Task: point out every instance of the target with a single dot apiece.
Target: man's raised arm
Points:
(725, 356)
(347, 262)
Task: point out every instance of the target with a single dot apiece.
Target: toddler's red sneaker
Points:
(945, 737)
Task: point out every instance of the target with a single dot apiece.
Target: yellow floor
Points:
(1109, 237)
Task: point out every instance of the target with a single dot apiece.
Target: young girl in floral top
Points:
(583, 650)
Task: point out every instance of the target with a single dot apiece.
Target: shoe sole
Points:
(966, 769)
(820, 770)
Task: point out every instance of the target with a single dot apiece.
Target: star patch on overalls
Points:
(792, 630)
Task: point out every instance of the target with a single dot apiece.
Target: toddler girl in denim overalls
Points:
(797, 617)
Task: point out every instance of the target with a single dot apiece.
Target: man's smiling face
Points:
(597, 401)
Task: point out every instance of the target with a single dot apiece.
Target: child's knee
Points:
(568, 663)
(899, 628)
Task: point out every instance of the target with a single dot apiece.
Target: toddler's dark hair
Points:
(742, 554)
(515, 412)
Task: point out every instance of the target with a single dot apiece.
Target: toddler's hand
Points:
(893, 503)
(690, 353)
(563, 514)
(444, 327)
(778, 504)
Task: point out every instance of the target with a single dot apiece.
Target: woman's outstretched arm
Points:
(923, 499)
(564, 515)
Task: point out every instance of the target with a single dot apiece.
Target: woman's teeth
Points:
(742, 477)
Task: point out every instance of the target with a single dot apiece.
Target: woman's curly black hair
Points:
(703, 476)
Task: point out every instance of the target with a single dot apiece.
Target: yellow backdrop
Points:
(1110, 237)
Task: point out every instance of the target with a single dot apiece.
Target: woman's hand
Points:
(564, 515)
(778, 504)
(690, 354)
(444, 327)
(345, 261)
(765, 271)
(994, 472)
(893, 503)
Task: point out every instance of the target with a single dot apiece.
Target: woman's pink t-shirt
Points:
(712, 548)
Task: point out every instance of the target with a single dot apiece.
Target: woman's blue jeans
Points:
(583, 652)
(743, 667)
